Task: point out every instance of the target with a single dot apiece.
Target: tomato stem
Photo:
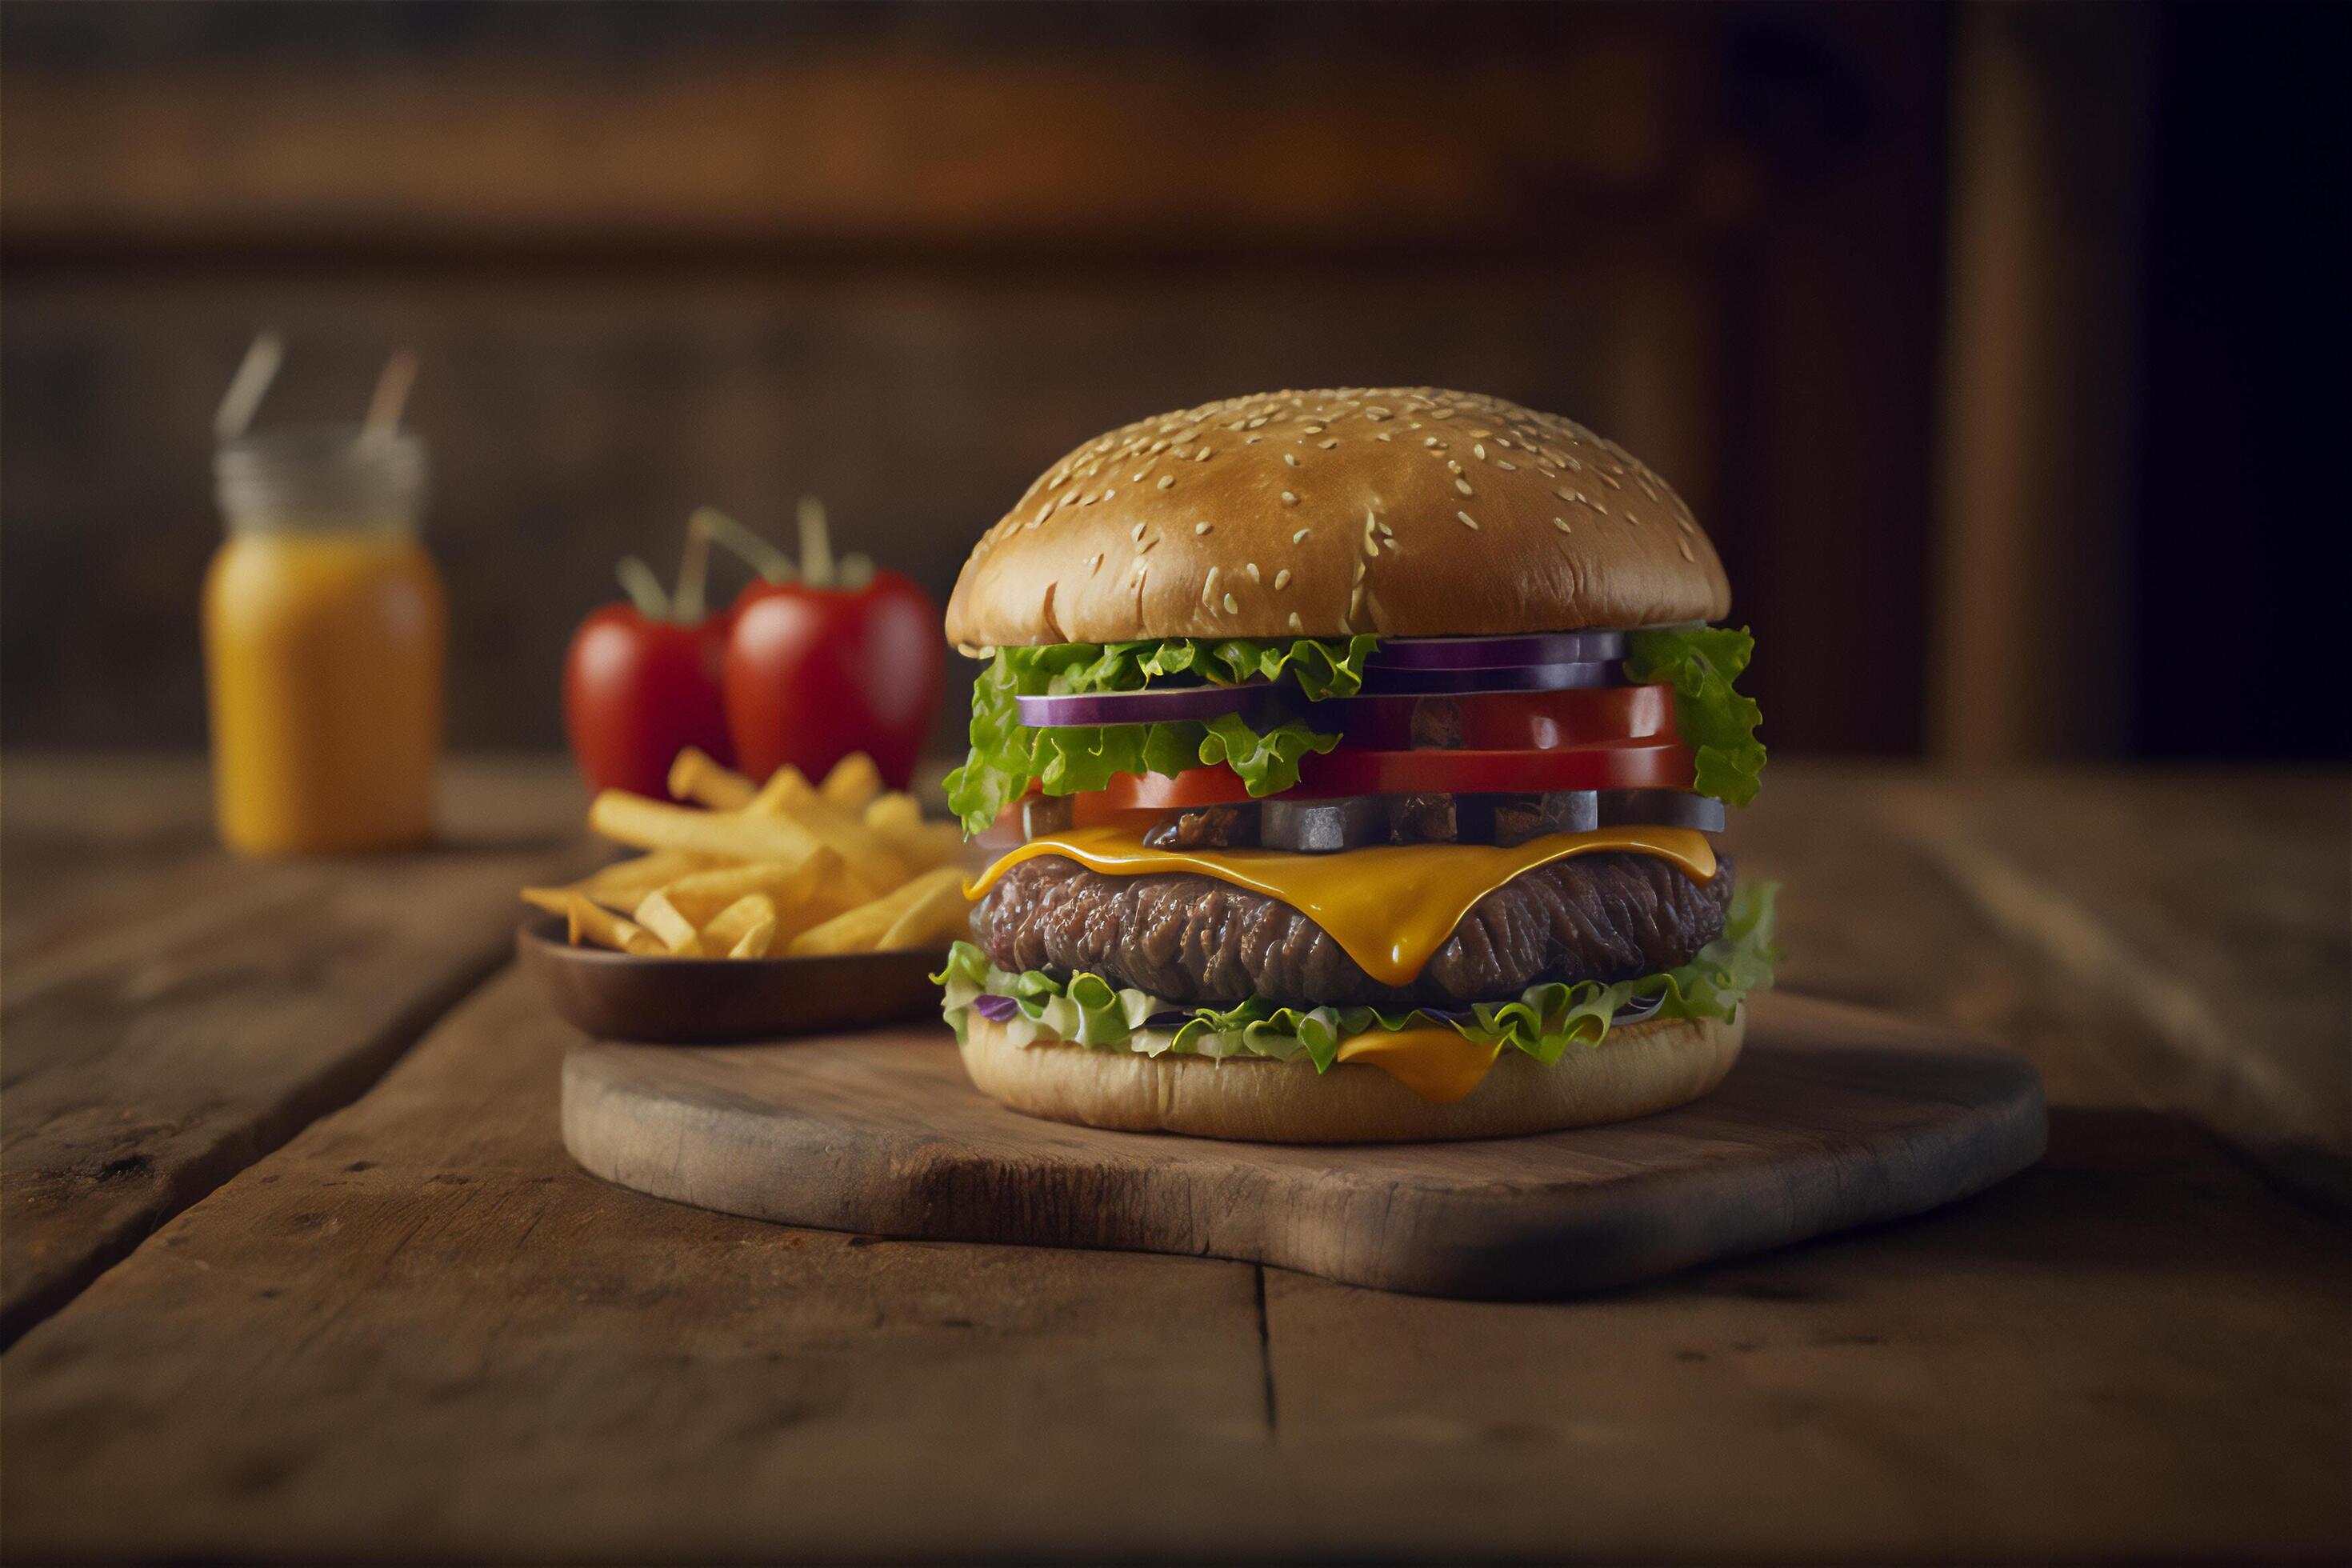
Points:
(693, 575)
(754, 552)
(816, 545)
(644, 589)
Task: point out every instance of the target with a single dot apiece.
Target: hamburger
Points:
(1353, 761)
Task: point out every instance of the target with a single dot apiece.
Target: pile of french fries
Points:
(785, 869)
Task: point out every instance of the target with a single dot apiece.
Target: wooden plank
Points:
(1831, 1118)
(416, 1331)
(816, 128)
(2164, 943)
(419, 1331)
(168, 1028)
(2133, 1351)
(2205, 912)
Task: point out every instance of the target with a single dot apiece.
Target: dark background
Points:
(2000, 348)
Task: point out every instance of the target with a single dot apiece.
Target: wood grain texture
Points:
(1831, 1118)
(419, 1329)
(2172, 942)
(166, 1028)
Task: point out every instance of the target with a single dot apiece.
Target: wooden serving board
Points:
(1834, 1117)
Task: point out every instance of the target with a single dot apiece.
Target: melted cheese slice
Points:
(1436, 1064)
(1389, 906)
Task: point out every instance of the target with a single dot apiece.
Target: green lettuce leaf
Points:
(1717, 722)
(1006, 755)
(1544, 1022)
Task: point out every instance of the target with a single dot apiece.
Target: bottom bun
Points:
(1636, 1070)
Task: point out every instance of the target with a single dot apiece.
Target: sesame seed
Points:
(1251, 567)
(1686, 549)
(1478, 450)
(1452, 465)
(1301, 534)
(1230, 607)
(1291, 458)
(1384, 528)
(1282, 579)
(1431, 441)
(1561, 523)
(1252, 440)
(1327, 443)
(1382, 436)
(1209, 585)
(1564, 493)
(1137, 531)
(1502, 463)
(1108, 493)
(1094, 562)
(1145, 548)
(1289, 499)
(1201, 456)
(1632, 519)
(1464, 485)
(1166, 480)
(1202, 527)
(1389, 544)
(1296, 625)
(1312, 430)
(1355, 600)
(1468, 520)
(1371, 547)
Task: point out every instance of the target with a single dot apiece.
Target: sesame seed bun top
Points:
(1406, 512)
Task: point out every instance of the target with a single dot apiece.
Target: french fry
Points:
(899, 821)
(792, 867)
(788, 795)
(786, 785)
(678, 934)
(620, 886)
(634, 819)
(861, 930)
(814, 881)
(591, 923)
(854, 781)
(755, 941)
(940, 915)
(893, 814)
(697, 776)
(730, 926)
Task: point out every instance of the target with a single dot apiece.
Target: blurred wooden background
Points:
(903, 257)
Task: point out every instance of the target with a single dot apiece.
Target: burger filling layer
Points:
(1193, 938)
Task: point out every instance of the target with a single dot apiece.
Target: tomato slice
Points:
(1503, 721)
(1351, 770)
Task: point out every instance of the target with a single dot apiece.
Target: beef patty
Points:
(1190, 938)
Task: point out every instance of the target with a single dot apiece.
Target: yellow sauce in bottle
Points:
(325, 638)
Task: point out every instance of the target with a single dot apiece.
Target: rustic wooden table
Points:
(295, 1266)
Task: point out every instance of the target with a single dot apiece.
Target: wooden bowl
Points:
(710, 1001)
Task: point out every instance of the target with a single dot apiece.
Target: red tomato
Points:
(813, 674)
(1508, 721)
(638, 692)
(1624, 764)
